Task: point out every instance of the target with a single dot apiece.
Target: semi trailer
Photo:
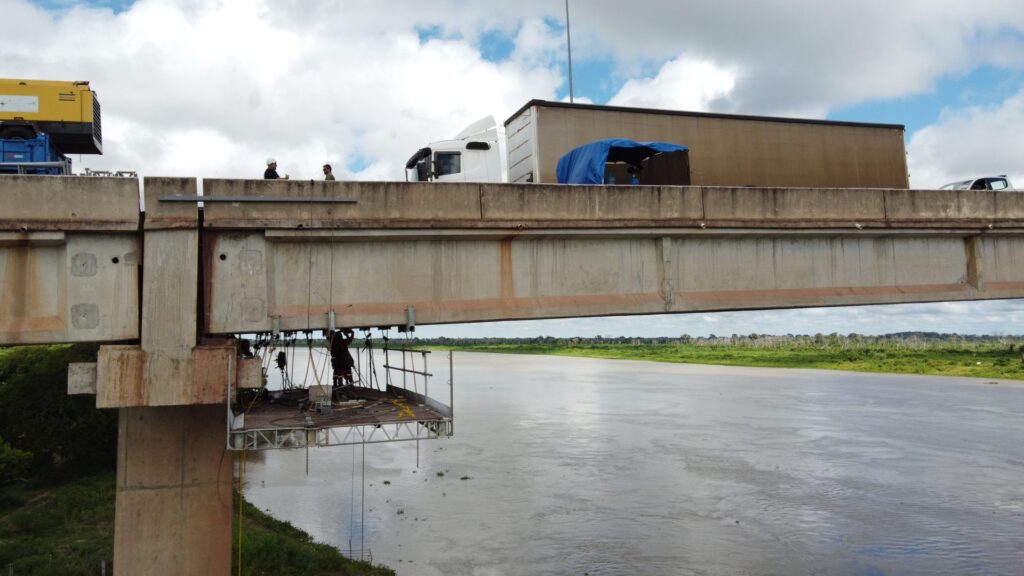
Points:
(723, 149)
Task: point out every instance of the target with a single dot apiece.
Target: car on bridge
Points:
(983, 183)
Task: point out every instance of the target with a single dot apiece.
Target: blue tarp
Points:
(585, 165)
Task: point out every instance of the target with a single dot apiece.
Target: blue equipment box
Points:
(22, 151)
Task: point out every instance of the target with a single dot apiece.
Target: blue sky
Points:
(984, 86)
(115, 6)
(212, 88)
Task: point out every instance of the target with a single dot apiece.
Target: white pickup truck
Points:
(983, 183)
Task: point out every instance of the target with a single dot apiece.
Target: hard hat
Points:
(271, 161)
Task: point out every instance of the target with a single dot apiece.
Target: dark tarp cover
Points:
(585, 165)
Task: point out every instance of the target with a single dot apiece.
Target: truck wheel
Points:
(17, 131)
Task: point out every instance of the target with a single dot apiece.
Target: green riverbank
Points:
(994, 360)
(68, 528)
(57, 483)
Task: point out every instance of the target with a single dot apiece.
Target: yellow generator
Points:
(67, 112)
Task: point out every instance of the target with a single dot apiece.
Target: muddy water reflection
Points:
(612, 467)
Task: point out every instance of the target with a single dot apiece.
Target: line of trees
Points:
(900, 339)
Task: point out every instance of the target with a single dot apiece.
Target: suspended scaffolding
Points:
(385, 399)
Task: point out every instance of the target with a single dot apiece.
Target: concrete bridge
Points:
(167, 287)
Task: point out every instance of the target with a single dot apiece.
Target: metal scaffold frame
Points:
(411, 414)
(288, 438)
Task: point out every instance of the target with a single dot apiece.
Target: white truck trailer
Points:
(724, 149)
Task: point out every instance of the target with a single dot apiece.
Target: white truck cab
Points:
(472, 156)
(983, 183)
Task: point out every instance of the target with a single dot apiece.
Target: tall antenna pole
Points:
(568, 43)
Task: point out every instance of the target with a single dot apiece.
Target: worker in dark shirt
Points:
(271, 172)
(341, 359)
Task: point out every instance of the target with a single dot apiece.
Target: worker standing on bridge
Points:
(271, 172)
(328, 173)
(341, 359)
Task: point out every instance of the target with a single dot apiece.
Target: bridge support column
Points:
(173, 511)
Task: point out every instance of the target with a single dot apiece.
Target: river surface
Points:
(601, 467)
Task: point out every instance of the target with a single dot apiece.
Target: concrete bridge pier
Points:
(174, 474)
(173, 510)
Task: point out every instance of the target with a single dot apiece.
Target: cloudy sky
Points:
(211, 88)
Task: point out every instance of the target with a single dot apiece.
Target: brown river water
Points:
(600, 467)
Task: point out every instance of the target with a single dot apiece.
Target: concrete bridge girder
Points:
(469, 252)
(500, 252)
(68, 259)
(292, 280)
(68, 287)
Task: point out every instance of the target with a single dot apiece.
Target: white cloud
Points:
(970, 142)
(807, 57)
(211, 89)
(681, 84)
(353, 81)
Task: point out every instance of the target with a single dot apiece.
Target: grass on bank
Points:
(271, 546)
(977, 360)
(57, 483)
(57, 530)
(68, 529)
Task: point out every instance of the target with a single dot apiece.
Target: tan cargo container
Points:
(725, 149)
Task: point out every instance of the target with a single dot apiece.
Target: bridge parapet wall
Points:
(398, 205)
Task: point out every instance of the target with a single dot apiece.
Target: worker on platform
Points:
(341, 359)
(328, 172)
(271, 172)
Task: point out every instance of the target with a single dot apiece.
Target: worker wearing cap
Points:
(271, 172)
(328, 173)
(341, 359)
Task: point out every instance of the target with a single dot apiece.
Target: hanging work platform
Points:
(335, 411)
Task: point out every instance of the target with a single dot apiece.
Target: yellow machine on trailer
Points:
(67, 112)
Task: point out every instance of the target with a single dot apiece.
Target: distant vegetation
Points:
(57, 485)
(907, 353)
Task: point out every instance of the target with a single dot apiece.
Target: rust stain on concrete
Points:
(22, 309)
(1017, 287)
(210, 373)
(820, 293)
(18, 281)
(507, 280)
(128, 376)
(120, 374)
